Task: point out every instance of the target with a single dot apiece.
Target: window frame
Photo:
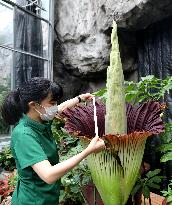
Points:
(49, 58)
(50, 22)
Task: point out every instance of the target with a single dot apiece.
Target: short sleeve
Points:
(28, 150)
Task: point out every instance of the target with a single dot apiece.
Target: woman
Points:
(33, 147)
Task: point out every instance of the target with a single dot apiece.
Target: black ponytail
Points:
(11, 109)
(36, 89)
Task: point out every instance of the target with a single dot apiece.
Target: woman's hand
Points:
(96, 145)
(86, 96)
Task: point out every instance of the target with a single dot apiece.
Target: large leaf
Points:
(166, 157)
(153, 173)
(166, 147)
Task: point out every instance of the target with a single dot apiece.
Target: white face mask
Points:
(49, 114)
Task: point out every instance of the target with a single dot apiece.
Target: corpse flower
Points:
(123, 127)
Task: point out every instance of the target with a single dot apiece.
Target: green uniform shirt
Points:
(32, 142)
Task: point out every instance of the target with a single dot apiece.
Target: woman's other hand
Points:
(74, 101)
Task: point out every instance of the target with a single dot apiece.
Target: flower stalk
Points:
(115, 120)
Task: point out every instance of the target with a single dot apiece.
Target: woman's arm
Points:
(72, 102)
(51, 174)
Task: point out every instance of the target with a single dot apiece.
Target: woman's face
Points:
(44, 111)
(47, 102)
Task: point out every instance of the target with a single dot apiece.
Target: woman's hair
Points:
(36, 89)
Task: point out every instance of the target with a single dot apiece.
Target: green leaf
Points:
(153, 173)
(165, 193)
(75, 189)
(148, 77)
(166, 157)
(146, 192)
(86, 180)
(100, 92)
(156, 179)
(166, 147)
(169, 199)
(155, 186)
(62, 195)
(129, 97)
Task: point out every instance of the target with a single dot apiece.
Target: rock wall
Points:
(82, 38)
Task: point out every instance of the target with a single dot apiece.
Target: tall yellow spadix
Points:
(115, 119)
